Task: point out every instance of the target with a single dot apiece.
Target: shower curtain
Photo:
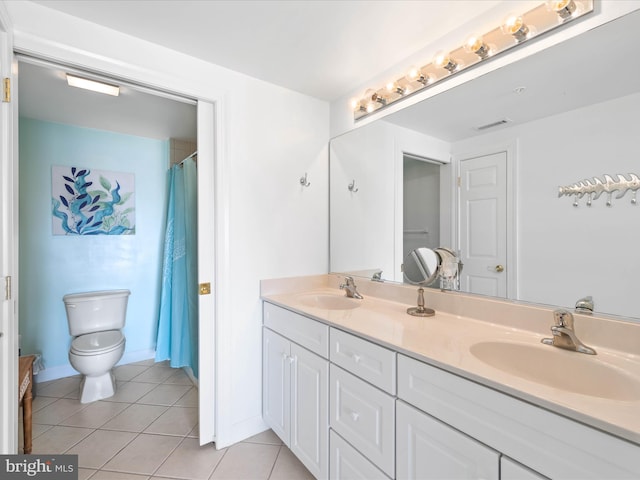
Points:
(177, 337)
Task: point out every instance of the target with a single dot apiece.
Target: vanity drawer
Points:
(308, 333)
(364, 416)
(371, 362)
(346, 463)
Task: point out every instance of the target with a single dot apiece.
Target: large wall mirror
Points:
(477, 169)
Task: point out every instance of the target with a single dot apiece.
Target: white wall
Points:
(370, 227)
(564, 252)
(270, 137)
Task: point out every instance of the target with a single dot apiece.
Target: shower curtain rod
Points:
(194, 154)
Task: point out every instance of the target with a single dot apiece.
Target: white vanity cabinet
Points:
(510, 470)
(431, 450)
(551, 445)
(295, 386)
(362, 405)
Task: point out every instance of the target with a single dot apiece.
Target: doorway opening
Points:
(153, 129)
(421, 203)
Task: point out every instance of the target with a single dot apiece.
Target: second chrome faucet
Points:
(349, 286)
(564, 335)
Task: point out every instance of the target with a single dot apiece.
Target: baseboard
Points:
(61, 371)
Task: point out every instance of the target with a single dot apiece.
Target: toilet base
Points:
(97, 387)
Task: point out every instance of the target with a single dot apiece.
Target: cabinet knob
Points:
(356, 358)
(355, 416)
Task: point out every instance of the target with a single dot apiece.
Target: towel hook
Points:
(352, 187)
(303, 181)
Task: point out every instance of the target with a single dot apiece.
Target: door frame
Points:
(8, 247)
(215, 364)
(511, 150)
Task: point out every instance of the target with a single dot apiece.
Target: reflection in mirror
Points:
(553, 118)
(421, 267)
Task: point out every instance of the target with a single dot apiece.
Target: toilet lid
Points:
(99, 342)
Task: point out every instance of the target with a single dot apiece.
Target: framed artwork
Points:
(92, 202)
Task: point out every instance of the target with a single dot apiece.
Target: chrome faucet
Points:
(377, 276)
(585, 305)
(350, 288)
(564, 335)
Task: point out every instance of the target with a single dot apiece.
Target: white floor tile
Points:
(246, 460)
(191, 461)
(144, 454)
(58, 439)
(135, 418)
(95, 414)
(175, 421)
(98, 448)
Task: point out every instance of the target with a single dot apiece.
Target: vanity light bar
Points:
(515, 30)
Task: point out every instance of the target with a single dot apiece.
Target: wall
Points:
(586, 250)
(370, 228)
(52, 266)
(266, 224)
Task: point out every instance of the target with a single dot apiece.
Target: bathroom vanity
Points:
(360, 389)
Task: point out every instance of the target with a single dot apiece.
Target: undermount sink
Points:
(328, 302)
(562, 369)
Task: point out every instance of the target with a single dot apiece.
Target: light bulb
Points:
(393, 87)
(514, 25)
(412, 74)
(564, 8)
(443, 60)
(475, 44)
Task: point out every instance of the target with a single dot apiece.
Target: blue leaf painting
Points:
(105, 211)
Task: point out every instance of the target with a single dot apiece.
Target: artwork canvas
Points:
(92, 202)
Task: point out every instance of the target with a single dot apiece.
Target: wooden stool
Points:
(25, 396)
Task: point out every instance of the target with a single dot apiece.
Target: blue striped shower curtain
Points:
(177, 338)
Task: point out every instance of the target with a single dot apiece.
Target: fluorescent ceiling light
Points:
(92, 85)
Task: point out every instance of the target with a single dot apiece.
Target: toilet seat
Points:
(97, 343)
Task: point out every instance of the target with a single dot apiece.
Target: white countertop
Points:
(445, 340)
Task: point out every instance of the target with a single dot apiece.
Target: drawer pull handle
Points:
(292, 359)
(356, 358)
(355, 416)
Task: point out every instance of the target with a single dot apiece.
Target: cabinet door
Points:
(346, 463)
(364, 416)
(429, 449)
(276, 377)
(510, 470)
(309, 410)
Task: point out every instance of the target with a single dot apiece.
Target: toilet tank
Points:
(90, 312)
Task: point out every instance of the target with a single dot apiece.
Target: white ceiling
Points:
(323, 48)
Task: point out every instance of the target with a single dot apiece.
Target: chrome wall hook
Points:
(352, 187)
(596, 186)
(303, 181)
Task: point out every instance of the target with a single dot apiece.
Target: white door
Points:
(431, 450)
(483, 224)
(207, 341)
(309, 410)
(8, 254)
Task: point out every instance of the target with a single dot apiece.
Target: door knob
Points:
(499, 268)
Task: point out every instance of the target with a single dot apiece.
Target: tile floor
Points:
(148, 430)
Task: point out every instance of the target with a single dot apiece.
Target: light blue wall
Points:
(52, 266)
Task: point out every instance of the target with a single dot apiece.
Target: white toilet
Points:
(95, 320)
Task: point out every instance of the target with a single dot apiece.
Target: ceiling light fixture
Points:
(93, 85)
(514, 31)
